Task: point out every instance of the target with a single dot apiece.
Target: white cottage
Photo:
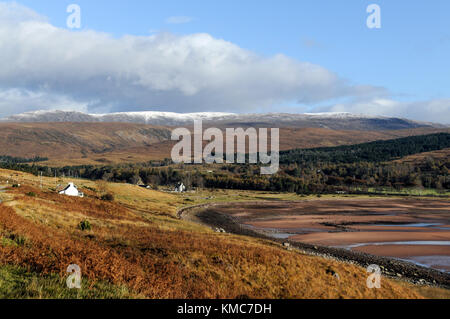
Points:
(71, 190)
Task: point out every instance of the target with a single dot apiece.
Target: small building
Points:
(180, 188)
(71, 190)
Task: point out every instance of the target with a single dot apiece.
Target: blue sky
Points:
(408, 57)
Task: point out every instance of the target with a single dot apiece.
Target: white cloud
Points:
(179, 20)
(15, 101)
(11, 12)
(45, 67)
(437, 110)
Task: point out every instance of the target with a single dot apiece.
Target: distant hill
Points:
(79, 142)
(335, 121)
(68, 143)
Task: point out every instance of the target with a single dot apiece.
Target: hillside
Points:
(335, 121)
(375, 152)
(421, 158)
(138, 247)
(112, 143)
(77, 141)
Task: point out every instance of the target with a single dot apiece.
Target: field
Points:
(138, 248)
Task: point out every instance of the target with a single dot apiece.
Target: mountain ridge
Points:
(333, 120)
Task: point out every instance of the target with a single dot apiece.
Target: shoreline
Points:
(390, 267)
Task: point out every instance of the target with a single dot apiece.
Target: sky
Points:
(227, 56)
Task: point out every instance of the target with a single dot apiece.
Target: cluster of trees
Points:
(5, 159)
(343, 168)
(373, 152)
(329, 169)
(340, 177)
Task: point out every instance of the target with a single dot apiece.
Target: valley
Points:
(343, 199)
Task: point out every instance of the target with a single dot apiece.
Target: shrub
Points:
(31, 194)
(18, 239)
(108, 197)
(84, 225)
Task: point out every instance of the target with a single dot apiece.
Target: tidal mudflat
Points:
(411, 229)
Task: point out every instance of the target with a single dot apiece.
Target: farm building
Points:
(71, 190)
(180, 188)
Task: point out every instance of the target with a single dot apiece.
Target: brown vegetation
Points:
(112, 143)
(162, 257)
(421, 158)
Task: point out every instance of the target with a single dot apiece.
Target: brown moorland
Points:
(440, 155)
(112, 143)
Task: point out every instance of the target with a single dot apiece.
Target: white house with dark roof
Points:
(71, 190)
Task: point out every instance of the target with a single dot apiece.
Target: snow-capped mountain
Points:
(341, 120)
(154, 118)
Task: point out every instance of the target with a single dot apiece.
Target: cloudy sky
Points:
(229, 56)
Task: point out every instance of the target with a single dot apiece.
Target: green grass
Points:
(224, 196)
(10, 239)
(4, 241)
(18, 283)
(411, 191)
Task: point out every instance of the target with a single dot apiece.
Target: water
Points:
(417, 242)
(280, 235)
(430, 225)
(272, 232)
(408, 225)
(441, 263)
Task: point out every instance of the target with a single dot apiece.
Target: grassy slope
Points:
(138, 242)
(18, 283)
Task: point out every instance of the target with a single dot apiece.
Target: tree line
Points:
(318, 170)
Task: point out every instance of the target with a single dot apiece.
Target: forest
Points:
(372, 152)
(352, 168)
